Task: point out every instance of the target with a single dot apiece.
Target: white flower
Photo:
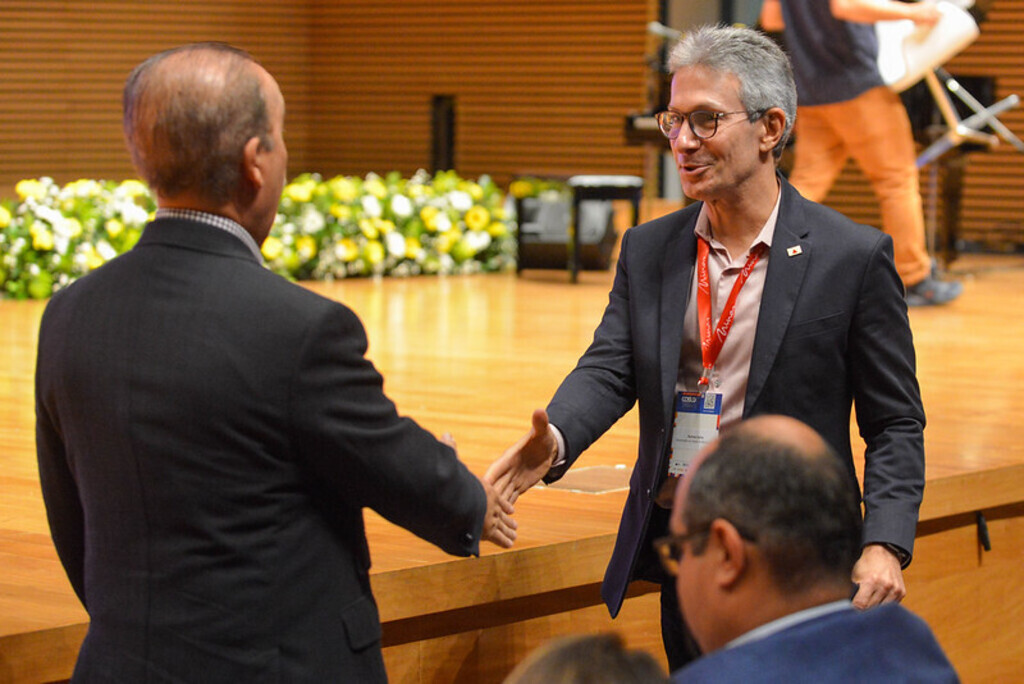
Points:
(395, 244)
(479, 240)
(401, 206)
(371, 206)
(460, 201)
(311, 220)
(106, 250)
(134, 215)
(442, 222)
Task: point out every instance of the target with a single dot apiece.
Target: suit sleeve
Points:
(602, 387)
(361, 452)
(60, 493)
(888, 405)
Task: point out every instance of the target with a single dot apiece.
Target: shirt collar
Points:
(787, 621)
(703, 228)
(217, 221)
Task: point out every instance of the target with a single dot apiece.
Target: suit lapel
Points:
(677, 271)
(790, 255)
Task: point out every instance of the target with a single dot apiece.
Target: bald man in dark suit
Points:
(209, 433)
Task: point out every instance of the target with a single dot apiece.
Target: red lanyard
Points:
(711, 341)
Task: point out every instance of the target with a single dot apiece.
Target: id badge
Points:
(695, 425)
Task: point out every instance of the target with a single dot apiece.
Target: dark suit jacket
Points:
(208, 435)
(884, 644)
(832, 329)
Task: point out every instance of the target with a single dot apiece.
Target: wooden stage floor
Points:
(474, 356)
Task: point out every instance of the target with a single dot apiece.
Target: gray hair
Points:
(798, 503)
(763, 69)
(188, 113)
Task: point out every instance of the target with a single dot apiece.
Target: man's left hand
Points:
(879, 577)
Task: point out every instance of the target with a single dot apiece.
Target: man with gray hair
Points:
(751, 300)
(208, 433)
(765, 532)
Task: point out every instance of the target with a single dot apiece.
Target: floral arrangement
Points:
(342, 227)
(348, 226)
(53, 235)
(544, 188)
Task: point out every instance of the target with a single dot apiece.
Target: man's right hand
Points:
(524, 463)
(499, 527)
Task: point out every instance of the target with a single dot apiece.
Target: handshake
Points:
(521, 466)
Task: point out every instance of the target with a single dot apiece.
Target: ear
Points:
(252, 163)
(731, 553)
(774, 121)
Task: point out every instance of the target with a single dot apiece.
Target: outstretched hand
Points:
(499, 527)
(524, 463)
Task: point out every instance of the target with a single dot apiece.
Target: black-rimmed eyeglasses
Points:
(670, 547)
(703, 123)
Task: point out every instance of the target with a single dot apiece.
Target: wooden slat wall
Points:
(541, 86)
(63, 64)
(992, 213)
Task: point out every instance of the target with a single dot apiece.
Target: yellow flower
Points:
(373, 252)
(520, 189)
(342, 212)
(114, 227)
(497, 229)
(474, 189)
(42, 239)
(375, 187)
(384, 226)
(30, 188)
(301, 191)
(134, 188)
(74, 227)
(344, 189)
(412, 248)
(477, 218)
(5, 217)
(347, 250)
(93, 259)
(272, 248)
(446, 240)
(367, 228)
(305, 245)
(428, 215)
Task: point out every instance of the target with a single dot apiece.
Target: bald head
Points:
(780, 484)
(188, 114)
(785, 432)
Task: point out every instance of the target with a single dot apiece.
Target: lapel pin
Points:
(794, 250)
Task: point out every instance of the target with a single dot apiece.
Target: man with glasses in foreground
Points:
(764, 535)
(751, 300)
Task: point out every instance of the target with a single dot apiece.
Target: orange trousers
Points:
(873, 128)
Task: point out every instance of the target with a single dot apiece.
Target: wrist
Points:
(902, 555)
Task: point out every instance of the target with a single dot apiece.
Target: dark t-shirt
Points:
(833, 60)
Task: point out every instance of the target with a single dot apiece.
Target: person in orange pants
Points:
(845, 110)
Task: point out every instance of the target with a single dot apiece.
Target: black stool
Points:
(599, 188)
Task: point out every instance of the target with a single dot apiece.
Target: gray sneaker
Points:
(932, 291)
